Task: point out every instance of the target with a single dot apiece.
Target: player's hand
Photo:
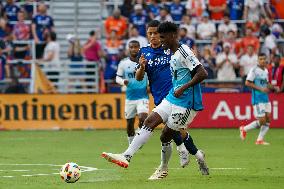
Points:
(178, 92)
(265, 90)
(142, 61)
(126, 82)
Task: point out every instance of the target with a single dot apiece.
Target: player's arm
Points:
(119, 75)
(141, 70)
(250, 84)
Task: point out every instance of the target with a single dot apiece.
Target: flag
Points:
(42, 84)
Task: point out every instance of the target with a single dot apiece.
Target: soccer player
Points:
(176, 112)
(137, 99)
(257, 79)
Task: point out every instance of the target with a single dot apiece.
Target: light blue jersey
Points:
(135, 89)
(183, 63)
(260, 78)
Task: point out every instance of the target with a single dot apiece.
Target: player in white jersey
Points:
(137, 99)
(257, 80)
(179, 107)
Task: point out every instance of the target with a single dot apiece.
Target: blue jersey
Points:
(140, 21)
(236, 9)
(158, 71)
(11, 12)
(176, 11)
(183, 63)
(260, 78)
(43, 23)
(154, 9)
(135, 89)
(187, 41)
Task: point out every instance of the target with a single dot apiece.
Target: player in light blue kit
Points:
(180, 106)
(257, 79)
(137, 99)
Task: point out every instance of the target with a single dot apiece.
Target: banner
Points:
(231, 110)
(42, 84)
(106, 111)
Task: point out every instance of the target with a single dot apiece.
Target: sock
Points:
(166, 154)
(252, 125)
(189, 144)
(140, 138)
(199, 155)
(177, 138)
(130, 138)
(263, 131)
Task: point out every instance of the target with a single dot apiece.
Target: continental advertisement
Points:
(106, 111)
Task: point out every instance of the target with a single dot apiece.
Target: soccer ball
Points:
(70, 172)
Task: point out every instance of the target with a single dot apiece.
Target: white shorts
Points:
(134, 107)
(176, 117)
(260, 109)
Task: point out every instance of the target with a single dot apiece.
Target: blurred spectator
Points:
(21, 32)
(164, 15)
(11, 10)
(186, 23)
(4, 68)
(3, 29)
(279, 8)
(276, 73)
(216, 46)
(116, 22)
(176, 10)
(51, 56)
(253, 9)
(75, 55)
(227, 25)
(208, 61)
(41, 26)
(277, 30)
(93, 52)
(15, 87)
(139, 20)
(236, 9)
(134, 36)
(264, 24)
(154, 9)
(247, 40)
(184, 39)
(195, 8)
(29, 8)
(217, 9)
(114, 52)
(247, 61)
(92, 49)
(231, 38)
(126, 8)
(206, 29)
(270, 45)
(267, 8)
(226, 64)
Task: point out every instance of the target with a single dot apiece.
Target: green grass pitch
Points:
(233, 163)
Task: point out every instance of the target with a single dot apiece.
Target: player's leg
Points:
(181, 148)
(130, 129)
(166, 153)
(156, 117)
(130, 114)
(265, 127)
(142, 110)
(253, 125)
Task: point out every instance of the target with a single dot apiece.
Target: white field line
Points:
(219, 168)
(83, 169)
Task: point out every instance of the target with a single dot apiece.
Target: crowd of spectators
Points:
(226, 35)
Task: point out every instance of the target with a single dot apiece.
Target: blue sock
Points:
(189, 144)
(177, 138)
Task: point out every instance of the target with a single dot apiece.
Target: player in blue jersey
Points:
(137, 99)
(161, 115)
(257, 79)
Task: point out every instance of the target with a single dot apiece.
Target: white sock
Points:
(130, 138)
(199, 155)
(181, 148)
(140, 138)
(252, 125)
(166, 153)
(263, 131)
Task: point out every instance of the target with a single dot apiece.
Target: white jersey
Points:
(135, 89)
